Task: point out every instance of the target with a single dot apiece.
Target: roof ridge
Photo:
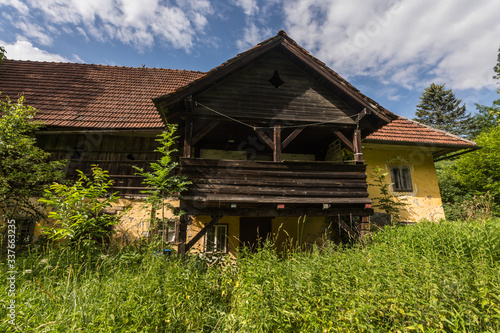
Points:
(101, 65)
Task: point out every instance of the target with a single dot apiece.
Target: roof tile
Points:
(91, 96)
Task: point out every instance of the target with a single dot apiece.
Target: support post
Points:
(184, 220)
(358, 152)
(365, 228)
(188, 132)
(277, 143)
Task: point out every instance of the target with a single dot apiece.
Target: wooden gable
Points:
(270, 89)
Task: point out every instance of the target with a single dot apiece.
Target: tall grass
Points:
(430, 277)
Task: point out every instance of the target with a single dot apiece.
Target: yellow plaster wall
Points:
(233, 231)
(425, 200)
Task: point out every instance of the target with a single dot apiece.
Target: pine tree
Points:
(440, 109)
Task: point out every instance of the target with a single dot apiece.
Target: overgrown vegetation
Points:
(473, 179)
(25, 169)
(79, 210)
(430, 277)
(162, 184)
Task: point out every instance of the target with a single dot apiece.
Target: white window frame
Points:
(401, 178)
(219, 241)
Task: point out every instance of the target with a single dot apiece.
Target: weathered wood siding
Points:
(261, 182)
(115, 153)
(248, 94)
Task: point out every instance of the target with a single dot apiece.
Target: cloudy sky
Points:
(389, 49)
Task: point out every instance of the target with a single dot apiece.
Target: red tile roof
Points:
(402, 130)
(91, 96)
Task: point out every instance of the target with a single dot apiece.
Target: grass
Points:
(430, 277)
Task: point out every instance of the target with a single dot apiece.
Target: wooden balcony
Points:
(256, 188)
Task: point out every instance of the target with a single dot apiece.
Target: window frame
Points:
(399, 183)
(217, 238)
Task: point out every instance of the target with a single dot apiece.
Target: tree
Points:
(489, 116)
(440, 109)
(2, 53)
(25, 169)
(78, 210)
(162, 183)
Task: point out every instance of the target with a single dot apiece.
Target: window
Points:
(401, 179)
(216, 239)
(166, 229)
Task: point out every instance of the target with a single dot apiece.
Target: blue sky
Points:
(389, 49)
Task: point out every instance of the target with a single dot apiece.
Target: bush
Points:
(79, 210)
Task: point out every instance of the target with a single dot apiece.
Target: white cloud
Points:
(409, 43)
(34, 31)
(252, 35)
(17, 4)
(24, 50)
(137, 23)
(249, 7)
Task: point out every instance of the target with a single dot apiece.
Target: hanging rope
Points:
(268, 127)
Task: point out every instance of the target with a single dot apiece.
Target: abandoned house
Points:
(274, 142)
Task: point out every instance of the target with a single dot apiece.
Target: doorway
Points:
(254, 231)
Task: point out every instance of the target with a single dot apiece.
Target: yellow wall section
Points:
(425, 200)
(286, 232)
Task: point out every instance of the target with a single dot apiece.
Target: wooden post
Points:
(277, 143)
(184, 219)
(365, 228)
(358, 152)
(188, 132)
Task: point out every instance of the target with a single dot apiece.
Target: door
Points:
(254, 231)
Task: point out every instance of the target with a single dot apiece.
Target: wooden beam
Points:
(203, 132)
(263, 136)
(201, 233)
(277, 143)
(184, 220)
(188, 132)
(358, 152)
(267, 211)
(292, 136)
(344, 139)
(365, 228)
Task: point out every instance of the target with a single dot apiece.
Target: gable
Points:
(295, 97)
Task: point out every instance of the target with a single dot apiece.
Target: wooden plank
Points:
(273, 199)
(203, 173)
(203, 132)
(344, 139)
(327, 183)
(278, 191)
(273, 212)
(263, 136)
(202, 232)
(292, 136)
(277, 143)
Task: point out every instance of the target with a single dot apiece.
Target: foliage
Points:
(430, 277)
(25, 169)
(440, 109)
(79, 210)
(480, 170)
(471, 176)
(162, 183)
(387, 202)
(2, 53)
